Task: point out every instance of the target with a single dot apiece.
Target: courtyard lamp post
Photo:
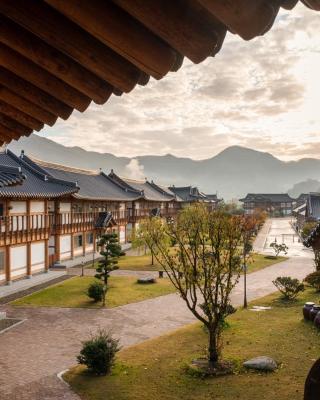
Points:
(245, 301)
(95, 248)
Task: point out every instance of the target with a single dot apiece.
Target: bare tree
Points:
(204, 265)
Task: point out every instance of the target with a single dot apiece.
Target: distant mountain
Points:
(232, 173)
(310, 185)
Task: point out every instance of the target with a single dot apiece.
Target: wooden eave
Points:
(58, 55)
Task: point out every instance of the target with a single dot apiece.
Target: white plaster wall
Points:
(18, 258)
(122, 234)
(51, 245)
(65, 207)
(37, 207)
(37, 256)
(18, 222)
(17, 207)
(65, 247)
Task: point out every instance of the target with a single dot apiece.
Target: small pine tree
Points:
(111, 251)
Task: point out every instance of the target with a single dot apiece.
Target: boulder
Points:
(262, 363)
(146, 280)
(3, 315)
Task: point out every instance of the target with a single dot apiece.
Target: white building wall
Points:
(37, 256)
(37, 207)
(18, 258)
(122, 234)
(17, 207)
(65, 247)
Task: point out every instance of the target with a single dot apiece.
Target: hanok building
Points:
(279, 204)
(25, 223)
(154, 200)
(309, 210)
(187, 195)
(52, 213)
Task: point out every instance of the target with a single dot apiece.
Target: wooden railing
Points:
(17, 229)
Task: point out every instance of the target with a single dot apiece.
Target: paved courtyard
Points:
(50, 338)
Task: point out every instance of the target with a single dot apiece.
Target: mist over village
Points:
(159, 200)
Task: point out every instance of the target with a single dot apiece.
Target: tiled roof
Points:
(271, 197)
(10, 176)
(188, 193)
(92, 185)
(148, 190)
(35, 184)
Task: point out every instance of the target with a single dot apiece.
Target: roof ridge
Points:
(66, 168)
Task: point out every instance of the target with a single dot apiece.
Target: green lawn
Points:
(72, 293)
(155, 368)
(260, 261)
(143, 263)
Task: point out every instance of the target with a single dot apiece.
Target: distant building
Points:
(308, 210)
(275, 204)
(188, 195)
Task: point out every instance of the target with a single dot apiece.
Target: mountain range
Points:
(232, 173)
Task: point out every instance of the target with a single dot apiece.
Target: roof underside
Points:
(57, 55)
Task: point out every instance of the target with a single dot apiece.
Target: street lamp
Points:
(245, 301)
(95, 247)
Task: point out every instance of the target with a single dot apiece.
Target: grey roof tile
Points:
(35, 184)
(92, 185)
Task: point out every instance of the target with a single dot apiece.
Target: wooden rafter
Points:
(58, 55)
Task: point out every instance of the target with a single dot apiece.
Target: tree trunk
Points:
(104, 296)
(152, 258)
(213, 351)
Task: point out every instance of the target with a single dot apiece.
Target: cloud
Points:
(134, 170)
(251, 93)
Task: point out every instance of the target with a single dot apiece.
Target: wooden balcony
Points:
(18, 229)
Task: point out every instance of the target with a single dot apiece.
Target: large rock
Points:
(146, 279)
(262, 363)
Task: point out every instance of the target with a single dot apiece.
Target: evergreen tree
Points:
(111, 251)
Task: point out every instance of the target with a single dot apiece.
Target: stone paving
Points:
(32, 353)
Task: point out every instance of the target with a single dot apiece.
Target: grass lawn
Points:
(138, 263)
(260, 261)
(143, 263)
(72, 293)
(155, 368)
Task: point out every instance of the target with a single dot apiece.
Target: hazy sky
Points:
(263, 94)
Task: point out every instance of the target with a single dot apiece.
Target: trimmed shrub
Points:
(288, 287)
(313, 280)
(95, 291)
(99, 352)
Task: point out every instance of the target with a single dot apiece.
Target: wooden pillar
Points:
(84, 240)
(57, 247)
(46, 255)
(8, 265)
(29, 272)
(72, 246)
